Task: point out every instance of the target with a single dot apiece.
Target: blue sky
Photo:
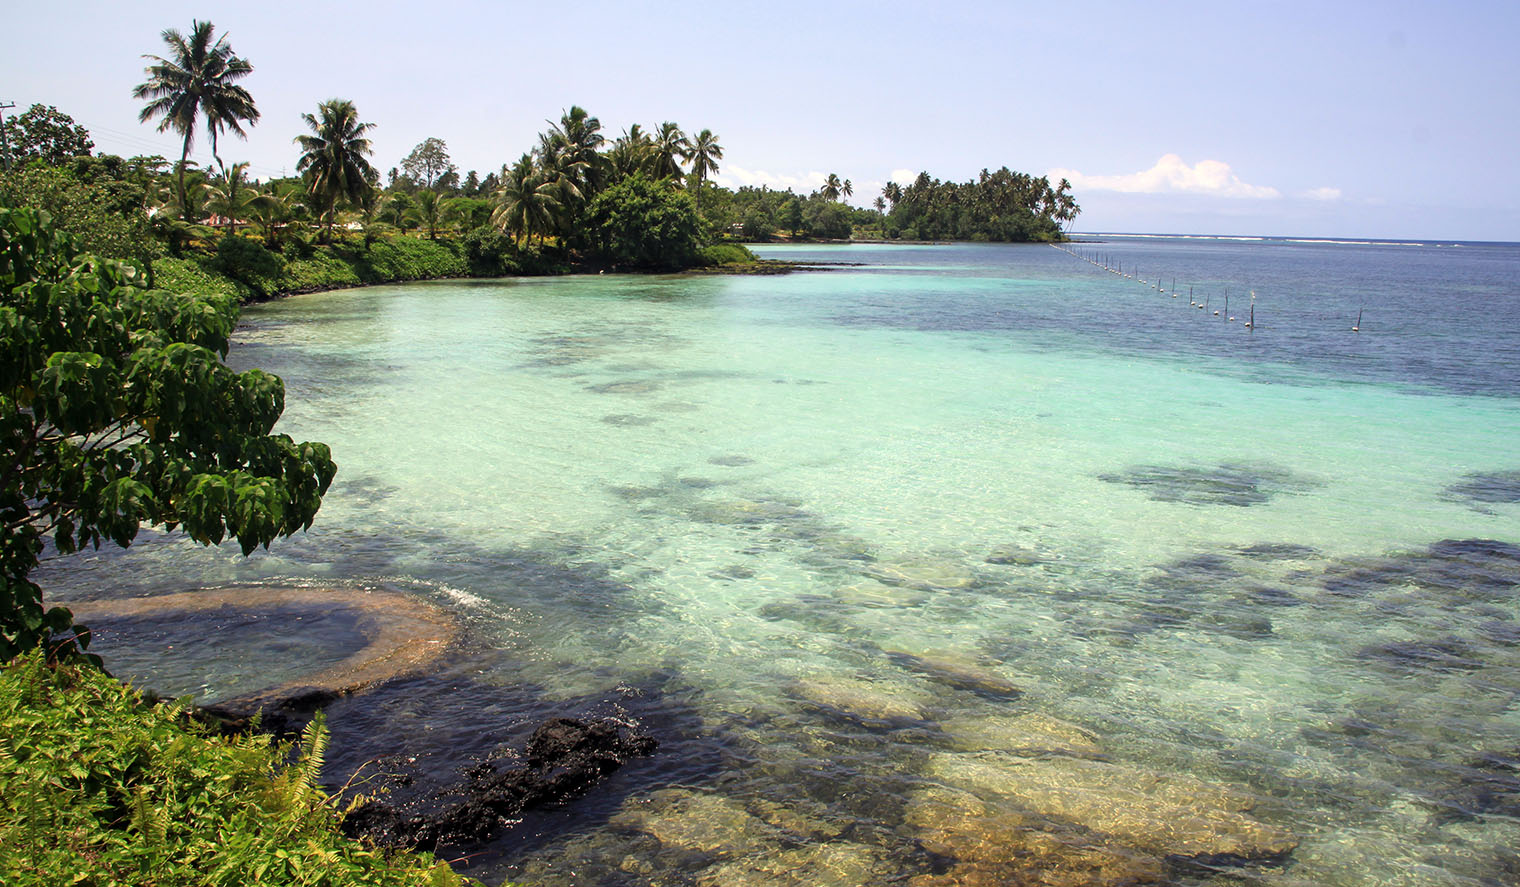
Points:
(1325, 119)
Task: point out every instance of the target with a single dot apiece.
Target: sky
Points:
(1332, 119)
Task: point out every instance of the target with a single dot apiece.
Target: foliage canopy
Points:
(44, 133)
(643, 225)
(116, 410)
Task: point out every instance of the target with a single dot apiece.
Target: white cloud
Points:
(1170, 174)
(902, 176)
(1324, 194)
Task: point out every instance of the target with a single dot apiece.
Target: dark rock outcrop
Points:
(564, 758)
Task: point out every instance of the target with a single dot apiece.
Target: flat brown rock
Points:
(403, 634)
(996, 845)
(838, 864)
(957, 670)
(1160, 813)
(697, 822)
(1024, 735)
(864, 701)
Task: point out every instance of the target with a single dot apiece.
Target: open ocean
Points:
(964, 564)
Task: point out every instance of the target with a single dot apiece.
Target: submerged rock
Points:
(870, 593)
(1411, 657)
(401, 633)
(625, 386)
(1485, 488)
(1452, 571)
(743, 512)
(1278, 551)
(791, 817)
(1018, 556)
(958, 671)
(1164, 814)
(731, 461)
(697, 822)
(1489, 786)
(926, 573)
(838, 864)
(1025, 735)
(1239, 484)
(1245, 626)
(628, 420)
(996, 846)
(869, 703)
(1270, 596)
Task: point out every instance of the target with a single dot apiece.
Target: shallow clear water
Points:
(1249, 556)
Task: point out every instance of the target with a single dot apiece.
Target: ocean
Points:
(938, 565)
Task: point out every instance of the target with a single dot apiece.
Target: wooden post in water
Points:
(1358, 327)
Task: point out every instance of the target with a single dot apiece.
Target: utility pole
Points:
(5, 142)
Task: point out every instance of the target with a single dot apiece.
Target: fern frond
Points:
(313, 754)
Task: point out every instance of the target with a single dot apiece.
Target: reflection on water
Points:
(917, 578)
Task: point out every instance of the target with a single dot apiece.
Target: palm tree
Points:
(881, 205)
(568, 152)
(333, 158)
(846, 189)
(1067, 209)
(670, 147)
(527, 202)
(631, 153)
(893, 192)
(432, 209)
(271, 211)
(831, 187)
(398, 210)
(197, 80)
(704, 156)
(230, 196)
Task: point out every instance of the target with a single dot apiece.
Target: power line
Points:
(137, 143)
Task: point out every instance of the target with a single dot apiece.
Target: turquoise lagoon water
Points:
(760, 514)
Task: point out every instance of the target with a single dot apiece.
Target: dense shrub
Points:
(98, 787)
(248, 262)
(404, 258)
(187, 276)
(827, 219)
(643, 225)
(298, 246)
(322, 270)
(725, 254)
(491, 252)
(104, 216)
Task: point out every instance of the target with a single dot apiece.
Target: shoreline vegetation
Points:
(577, 202)
(122, 280)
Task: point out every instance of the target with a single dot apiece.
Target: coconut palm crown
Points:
(333, 158)
(704, 157)
(670, 147)
(527, 202)
(197, 80)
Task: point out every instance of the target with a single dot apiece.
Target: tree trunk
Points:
(184, 202)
